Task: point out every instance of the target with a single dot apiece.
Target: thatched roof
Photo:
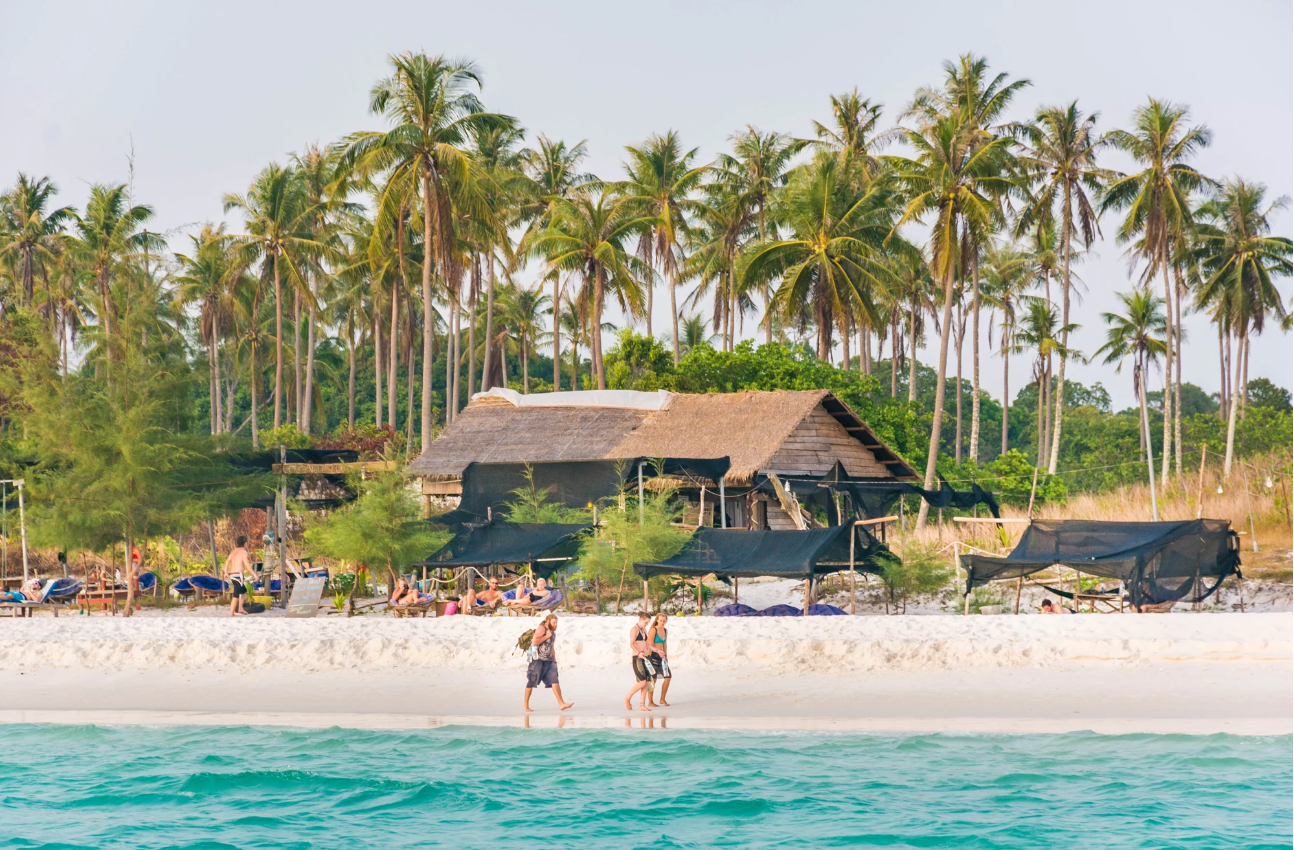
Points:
(747, 427)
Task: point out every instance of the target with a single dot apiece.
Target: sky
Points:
(205, 95)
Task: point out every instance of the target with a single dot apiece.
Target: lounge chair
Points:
(25, 609)
(549, 602)
(780, 611)
(419, 608)
(736, 609)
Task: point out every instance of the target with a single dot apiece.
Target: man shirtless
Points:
(237, 566)
(489, 598)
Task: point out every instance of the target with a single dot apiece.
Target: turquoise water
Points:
(463, 787)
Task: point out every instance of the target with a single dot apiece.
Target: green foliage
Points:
(608, 557)
(535, 505)
(1010, 478)
(922, 570)
(1263, 393)
(638, 362)
(984, 596)
(382, 528)
(289, 436)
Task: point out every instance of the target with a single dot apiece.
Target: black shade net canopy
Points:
(738, 553)
(488, 487)
(872, 498)
(544, 547)
(1157, 562)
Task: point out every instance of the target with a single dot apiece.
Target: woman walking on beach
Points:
(543, 663)
(657, 642)
(638, 661)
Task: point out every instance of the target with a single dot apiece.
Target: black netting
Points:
(544, 546)
(1156, 561)
(788, 554)
(873, 498)
(489, 487)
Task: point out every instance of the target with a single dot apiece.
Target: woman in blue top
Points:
(658, 642)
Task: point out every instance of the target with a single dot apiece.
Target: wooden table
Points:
(1101, 603)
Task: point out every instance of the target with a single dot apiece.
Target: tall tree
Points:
(30, 230)
(207, 278)
(552, 168)
(1157, 200)
(433, 105)
(588, 237)
(1060, 157)
(660, 184)
(1242, 260)
(1140, 332)
(278, 217)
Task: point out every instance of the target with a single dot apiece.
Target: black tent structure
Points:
(488, 487)
(1158, 562)
(544, 547)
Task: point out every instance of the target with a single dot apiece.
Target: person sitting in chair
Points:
(404, 594)
(30, 594)
(489, 598)
(533, 595)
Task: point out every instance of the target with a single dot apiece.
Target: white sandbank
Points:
(1187, 673)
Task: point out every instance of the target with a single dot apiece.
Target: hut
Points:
(778, 444)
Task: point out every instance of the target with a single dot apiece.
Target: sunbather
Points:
(31, 594)
(532, 595)
(404, 594)
(489, 598)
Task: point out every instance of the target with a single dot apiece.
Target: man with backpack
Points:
(543, 661)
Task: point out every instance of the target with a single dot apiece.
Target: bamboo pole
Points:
(22, 528)
(1199, 491)
(1244, 470)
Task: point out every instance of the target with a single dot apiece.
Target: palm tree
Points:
(1060, 156)
(961, 184)
(30, 231)
(694, 333)
(758, 167)
(854, 135)
(204, 279)
(522, 315)
(278, 218)
(1241, 260)
(1039, 331)
(500, 162)
(553, 171)
(660, 184)
(1140, 332)
(587, 237)
(1007, 276)
(835, 257)
(110, 236)
(436, 114)
(1157, 200)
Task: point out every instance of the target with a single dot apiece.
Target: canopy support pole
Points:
(808, 588)
(723, 506)
(1249, 507)
(1199, 491)
(853, 532)
(640, 495)
(22, 529)
(734, 589)
(1019, 585)
(215, 557)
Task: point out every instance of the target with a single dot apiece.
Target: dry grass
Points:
(1181, 500)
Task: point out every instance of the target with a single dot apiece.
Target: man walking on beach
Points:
(643, 672)
(543, 663)
(237, 566)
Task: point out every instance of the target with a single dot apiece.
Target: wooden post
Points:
(641, 507)
(22, 531)
(699, 579)
(734, 589)
(1289, 511)
(215, 557)
(646, 596)
(700, 514)
(1019, 585)
(1199, 492)
(723, 506)
(1243, 470)
(808, 583)
(853, 532)
(1033, 489)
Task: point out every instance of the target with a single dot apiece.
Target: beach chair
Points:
(25, 609)
(418, 609)
(548, 603)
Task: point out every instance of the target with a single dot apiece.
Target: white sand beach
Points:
(1184, 672)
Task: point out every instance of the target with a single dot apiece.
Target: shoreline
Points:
(1164, 674)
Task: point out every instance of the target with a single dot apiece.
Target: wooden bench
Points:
(25, 609)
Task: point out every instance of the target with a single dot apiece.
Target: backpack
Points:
(523, 642)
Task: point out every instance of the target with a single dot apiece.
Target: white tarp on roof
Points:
(626, 399)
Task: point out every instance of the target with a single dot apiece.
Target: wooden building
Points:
(766, 435)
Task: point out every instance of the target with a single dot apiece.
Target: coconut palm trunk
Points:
(350, 384)
(936, 425)
(1242, 344)
(912, 364)
(474, 287)
(961, 339)
(595, 332)
(428, 325)
(297, 396)
(278, 344)
(1170, 356)
(489, 330)
(377, 366)
(1006, 389)
(1177, 382)
(975, 406)
(557, 337)
(392, 358)
(308, 407)
(1059, 411)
